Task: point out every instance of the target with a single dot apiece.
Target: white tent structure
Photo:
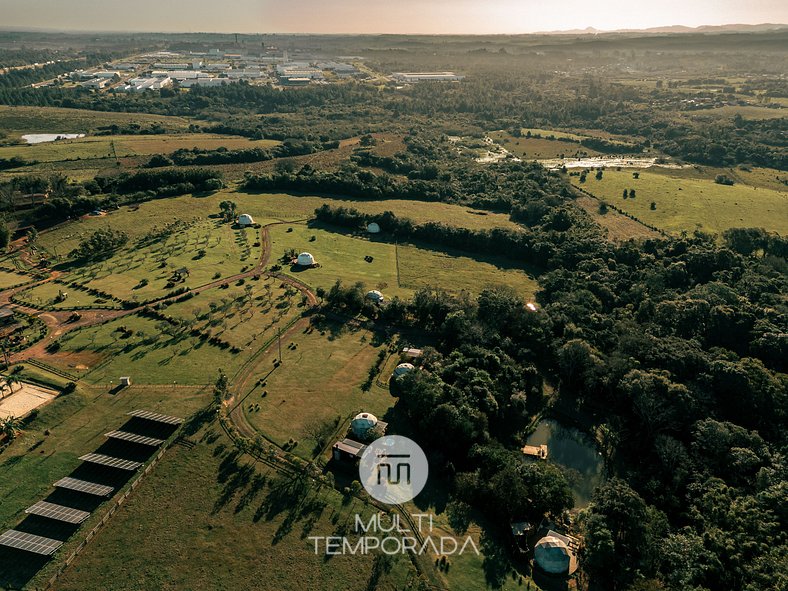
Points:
(305, 259)
(375, 296)
(373, 228)
(362, 423)
(402, 369)
(245, 220)
(554, 556)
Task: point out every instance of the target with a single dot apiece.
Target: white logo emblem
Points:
(393, 469)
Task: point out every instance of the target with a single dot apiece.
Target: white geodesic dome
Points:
(305, 259)
(375, 296)
(362, 423)
(373, 228)
(245, 220)
(553, 555)
(402, 369)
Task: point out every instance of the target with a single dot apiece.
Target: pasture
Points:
(317, 386)
(121, 146)
(395, 269)
(51, 295)
(49, 447)
(17, 121)
(153, 264)
(211, 518)
(244, 314)
(686, 201)
(10, 279)
(150, 351)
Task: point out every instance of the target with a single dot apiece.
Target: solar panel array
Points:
(25, 541)
(110, 461)
(153, 416)
(58, 512)
(134, 438)
(84, 486)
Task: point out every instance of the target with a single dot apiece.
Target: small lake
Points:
(575, 453)
(40, 138)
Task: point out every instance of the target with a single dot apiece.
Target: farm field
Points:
(120, 146)
(49, 447)
(10, 279)
(244, 315)
(687, 203)
(151, 351)
(342, 256)
(539, 148)
(48, 295)
(319, 382)
(619, 227)
(149, 267)
(251, 531)
(17, 121)
(138, 220)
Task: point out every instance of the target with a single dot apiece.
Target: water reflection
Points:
(575, 454)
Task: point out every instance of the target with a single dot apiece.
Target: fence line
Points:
(111, 511)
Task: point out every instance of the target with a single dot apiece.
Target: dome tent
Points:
(375, 296)
(305, 259)
(373, 228)
(553, 556)
(362, 423)
(245, 220)
(402, 369)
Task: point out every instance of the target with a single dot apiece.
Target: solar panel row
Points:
(25, 541)
(84, 486)
(134, 438)
(110, 461)
(58, 512)
(153, 416)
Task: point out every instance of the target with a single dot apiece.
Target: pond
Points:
(40, 138)
(575, 453)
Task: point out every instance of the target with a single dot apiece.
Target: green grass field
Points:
(47, 294)
(10, 278)
(265, 207)
(153, 354)
(49, 447)
(245, 319)
(537, 148)
(16, 121)
(208, 248)
(121, 146)
(207, 518)
(341, 256)
(689, 200)
(319, 381)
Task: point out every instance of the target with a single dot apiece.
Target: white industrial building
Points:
(244, 74)
(141, 84)
(410, 77)
(188, 74)
(96, 83)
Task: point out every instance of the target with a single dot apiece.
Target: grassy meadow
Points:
(49, 448)
(318, 382)
(150, 351)
(686, 200)
(251, 533)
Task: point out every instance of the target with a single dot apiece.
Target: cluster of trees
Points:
(674, 347)
(162, 182)
(200, 157)
(100, 244)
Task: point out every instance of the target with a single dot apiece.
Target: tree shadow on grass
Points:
(496, 563)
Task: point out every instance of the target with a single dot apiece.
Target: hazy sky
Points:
(382, 16)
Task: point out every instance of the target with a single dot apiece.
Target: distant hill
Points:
(733, 28)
